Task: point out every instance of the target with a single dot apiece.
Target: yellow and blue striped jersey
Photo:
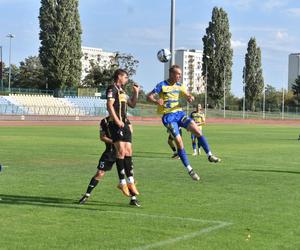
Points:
(171, 94)
(199, 118)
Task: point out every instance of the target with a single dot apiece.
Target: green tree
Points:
(98, 76)
(217, 56)
(290, 99)
(31, 74)
(60, 35)
(101, 77)
(233, 102)
(296, 87)
(127, 62)
(273, 98)
(254, 81)
(15, 72)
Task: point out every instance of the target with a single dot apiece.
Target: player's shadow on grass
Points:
(56, 202)
(270, 171)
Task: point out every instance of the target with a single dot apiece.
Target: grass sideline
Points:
(255, 188)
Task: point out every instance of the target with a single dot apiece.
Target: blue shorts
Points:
(173, 121)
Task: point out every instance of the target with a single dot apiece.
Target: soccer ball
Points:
(164, 55)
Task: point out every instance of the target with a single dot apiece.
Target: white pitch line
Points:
(184, 237)
(220, 224)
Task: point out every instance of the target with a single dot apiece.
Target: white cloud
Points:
(281, 35)
(294, 12)
(236, 44)
(244, 4)
(273, 4)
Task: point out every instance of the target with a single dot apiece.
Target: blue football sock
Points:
(183, 157)
(202, 141)
(194, 145)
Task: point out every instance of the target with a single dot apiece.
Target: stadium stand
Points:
(44, 105)
(9, 107)
(27, 104)
(89, 105)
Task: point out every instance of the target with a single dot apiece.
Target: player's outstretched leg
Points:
(192, 127)
(93, 183)
(211, 158)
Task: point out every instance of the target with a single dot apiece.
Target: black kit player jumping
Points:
(117, 102)
(106, 162)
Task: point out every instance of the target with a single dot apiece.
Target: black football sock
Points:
(120, 167)
(128, 166)
(92, 185)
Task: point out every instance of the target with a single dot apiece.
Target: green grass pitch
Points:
(251, 200)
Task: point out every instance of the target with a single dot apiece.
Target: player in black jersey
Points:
(117, 101)
(106, 161)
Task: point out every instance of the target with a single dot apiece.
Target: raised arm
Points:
(133, 100)
(152, 96)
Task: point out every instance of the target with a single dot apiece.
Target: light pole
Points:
(282, 111)
(172, 33)
(224, 89)
(264, 102)
(205, 98)
(1, 69)
(10, 36)
(244, 90)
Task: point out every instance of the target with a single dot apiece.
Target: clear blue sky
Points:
(141, 27)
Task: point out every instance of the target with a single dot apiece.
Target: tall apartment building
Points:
(96, 55)
(294, 69)
(190, 61)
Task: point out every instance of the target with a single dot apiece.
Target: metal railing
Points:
(142, 111)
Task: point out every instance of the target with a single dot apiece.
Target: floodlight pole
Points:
(282, 111)
(1, 68)
(172, 33)
(205, 98)
(264, 103)
(224, 89)
(244, 90)
(10, 36)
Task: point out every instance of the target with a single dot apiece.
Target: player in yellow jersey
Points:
(199, 117)
(169, 94)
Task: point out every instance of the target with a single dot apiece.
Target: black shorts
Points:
(107, 160)
(105, 165)
(120, 134)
